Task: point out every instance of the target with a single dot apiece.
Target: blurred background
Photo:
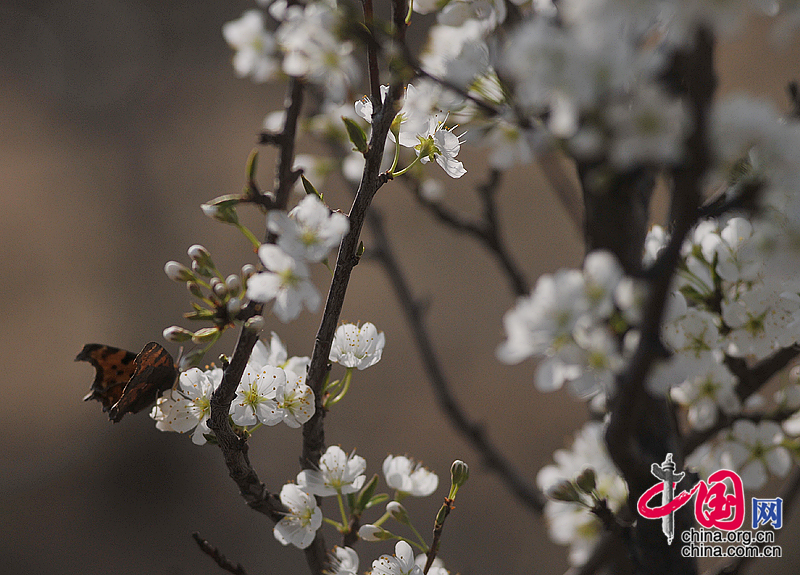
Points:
(118, 119)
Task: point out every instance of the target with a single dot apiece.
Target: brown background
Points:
(117, 119)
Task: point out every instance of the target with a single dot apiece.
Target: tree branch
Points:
(472, 432)
(486, 230)
(642, 429)
(218, 557)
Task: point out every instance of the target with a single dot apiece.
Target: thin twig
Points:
(233, 446)
(372, 55)
(218, 557)
(471, 431)
(486, 230)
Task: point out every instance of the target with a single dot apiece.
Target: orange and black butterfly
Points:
(126, 382)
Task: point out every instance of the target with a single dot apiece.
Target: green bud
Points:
(587, 480)
(178, 272)
(356, 135)
(218, 287)
(377, 500)
(206, 334)
(234, 284)
(177, 334)
(200, 255)
(374, 533)
(247, 271)
(234, 306)
(194, 289)
(360, 250)
(564, 491)
(223, 209)
(444, 510)
(199, 314)
(459, 473)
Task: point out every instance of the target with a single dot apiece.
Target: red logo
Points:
(714, 506)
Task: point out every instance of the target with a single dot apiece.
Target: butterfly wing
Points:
(113, 369)
(154, 372)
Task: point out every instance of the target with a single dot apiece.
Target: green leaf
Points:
(377, 500)
(309, 187)
(356, 135)
(365, 495)
(252, 164)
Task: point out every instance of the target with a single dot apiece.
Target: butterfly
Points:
(126, 382)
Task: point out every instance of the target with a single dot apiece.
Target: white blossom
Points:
(355, 346)
(299, 526)
(407, 476)
(286, 281)
(338, 473)
(343, 561)
(188, 407)
(571, 524)
(310, 230)
(401, 563)
(753, 450)
(254, 46)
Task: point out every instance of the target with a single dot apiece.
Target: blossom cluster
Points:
(571, 524)
(304, 45)
(341, 474)
(305, 235)
(272, 390)
(574, 319)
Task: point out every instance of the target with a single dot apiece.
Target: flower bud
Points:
(195, 290)
(459, 473)
(178, 272)
(218, 287)
(201, 255)
(255, 323)
(587, 480)
(398, 512)
(205, 334)
(374, 533)
(234, 306)
(177, 334)
(234, 284)
(564, 491)
(248, 270)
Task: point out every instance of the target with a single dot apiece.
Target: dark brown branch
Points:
(486, 230)
(372, 55)
(233, 446)
(469, 430)
(285, 176)
(642, 429)
(218, 557)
